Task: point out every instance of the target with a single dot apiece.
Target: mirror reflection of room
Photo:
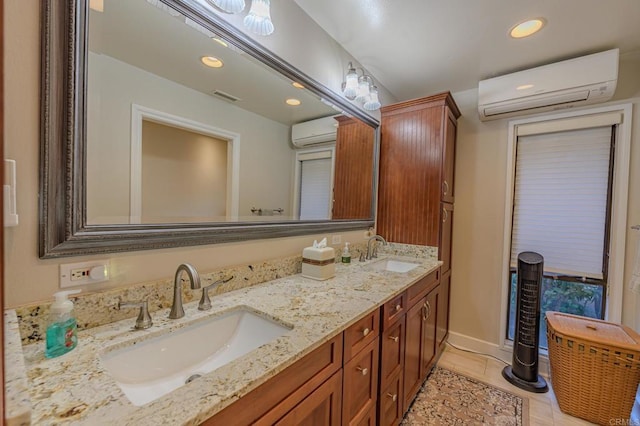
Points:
(162, 76)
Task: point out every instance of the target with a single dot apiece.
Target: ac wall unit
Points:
(574, 82)
(314, 132)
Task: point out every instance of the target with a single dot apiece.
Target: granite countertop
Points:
(76, 389)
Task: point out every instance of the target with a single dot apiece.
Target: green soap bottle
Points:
(346, 256)
(62, 328)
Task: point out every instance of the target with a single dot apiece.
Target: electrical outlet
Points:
(74, 274)
(336, 239)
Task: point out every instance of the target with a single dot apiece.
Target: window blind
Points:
(315, 189)
(560, 200)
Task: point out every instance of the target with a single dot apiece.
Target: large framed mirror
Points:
(165, 126)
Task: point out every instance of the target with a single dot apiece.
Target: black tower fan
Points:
(524, 369)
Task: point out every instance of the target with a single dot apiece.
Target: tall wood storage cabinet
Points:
(416, 187)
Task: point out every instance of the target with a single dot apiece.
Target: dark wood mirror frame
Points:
(62, 198)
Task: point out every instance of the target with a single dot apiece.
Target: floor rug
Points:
(449, 398)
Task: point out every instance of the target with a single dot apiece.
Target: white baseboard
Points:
(487, 348)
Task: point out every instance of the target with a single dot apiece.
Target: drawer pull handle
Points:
(398, 307)
(445, 187)
(364, 371)
(428, 306)
(393, 397)
(366, 332)
(394, 338)
(425, 315)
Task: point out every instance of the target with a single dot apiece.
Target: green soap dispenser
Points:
(346, 256)
(62, 328)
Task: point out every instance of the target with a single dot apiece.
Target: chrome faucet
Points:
(372, 254)
(177, 311)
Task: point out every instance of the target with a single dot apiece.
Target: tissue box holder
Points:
(319, 263)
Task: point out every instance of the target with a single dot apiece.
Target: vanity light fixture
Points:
(229, 6)
(527, 28)
(293, 102)
(360, 89)
(212, 62)
(258, 20)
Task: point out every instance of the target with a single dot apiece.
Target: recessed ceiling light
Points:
(293, 102)
(212, 62)
(524, 87)
(297, 85)
(220, 41)
(526, 28)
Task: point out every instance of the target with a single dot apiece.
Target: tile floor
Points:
(543, 408)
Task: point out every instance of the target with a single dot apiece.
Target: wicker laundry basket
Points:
(595, 367)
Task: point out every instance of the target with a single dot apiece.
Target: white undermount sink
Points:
(394, 265)
(152, 368)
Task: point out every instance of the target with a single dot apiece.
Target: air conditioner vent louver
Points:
(580, 81)
(321, 130)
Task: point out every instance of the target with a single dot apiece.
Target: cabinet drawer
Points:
(393, 310)
(390, 404)
(392, 351)
(360, 387)
(361, 334)
(286, 389)
(422, 287)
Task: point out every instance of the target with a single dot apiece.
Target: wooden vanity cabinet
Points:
(442, 330)
(360, 386)
(420, 347)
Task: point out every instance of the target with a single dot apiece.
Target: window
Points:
(561, 209)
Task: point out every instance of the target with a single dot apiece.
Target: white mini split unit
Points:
(321, 130)
(581, 81)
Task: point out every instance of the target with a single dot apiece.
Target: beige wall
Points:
(29, 279)
(480, 178)
(184, 175)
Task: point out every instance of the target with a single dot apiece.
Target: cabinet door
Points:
(448, 157)
(360, 388)
(446, 230)
(321, 407)
(443, 309)
(412, 353)
(430, 314)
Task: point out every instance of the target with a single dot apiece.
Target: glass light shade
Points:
(363, 89)
(229, 6)
(259, 18)
(350, 90)
(373, 103)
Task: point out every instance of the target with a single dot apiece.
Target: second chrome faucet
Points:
(177, 311)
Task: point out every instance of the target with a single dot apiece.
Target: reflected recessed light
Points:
(212, 62)
(220, 41)
(526, 28)
(297, 85)
(524, 87)
(293, 102)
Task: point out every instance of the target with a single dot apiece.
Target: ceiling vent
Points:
(575, 82)
(225, 96)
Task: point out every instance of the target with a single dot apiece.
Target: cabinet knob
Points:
(364, 371)
(394, 338)
(366, 331)
(398, 307)
(393, 397)
(445, 187)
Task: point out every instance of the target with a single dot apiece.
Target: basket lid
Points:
(594, 330)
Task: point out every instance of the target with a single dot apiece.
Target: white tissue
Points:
(321, 244)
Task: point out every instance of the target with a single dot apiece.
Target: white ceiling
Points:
(420, 47)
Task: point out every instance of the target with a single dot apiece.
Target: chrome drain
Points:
(192, 378)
